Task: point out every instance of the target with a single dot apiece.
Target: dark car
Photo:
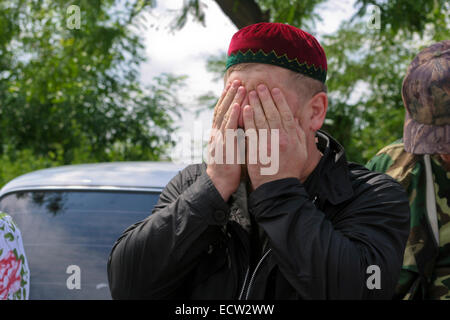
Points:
(71, 216)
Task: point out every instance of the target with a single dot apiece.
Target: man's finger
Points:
(300, 132)
(270, 109)
(224, 92)
(284, 111)
(249, 122)
(222, 96)
(251, 135)
(259, 117)
(238, 98)
(232, 122)
(224, 106)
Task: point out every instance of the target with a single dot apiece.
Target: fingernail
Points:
(276, 91)
(261, 88)
(235, 83)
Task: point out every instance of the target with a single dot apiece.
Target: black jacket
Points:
(300, 241)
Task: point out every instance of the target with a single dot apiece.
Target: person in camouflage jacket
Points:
(421, 163)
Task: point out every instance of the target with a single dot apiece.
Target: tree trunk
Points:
(243, 12)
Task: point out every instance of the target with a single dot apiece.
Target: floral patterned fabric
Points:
(14, 272)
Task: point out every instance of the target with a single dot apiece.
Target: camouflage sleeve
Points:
(394, 161)
(383, 160)
(380, 162)
(407, 285)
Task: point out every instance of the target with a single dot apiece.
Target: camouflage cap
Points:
(426, 96)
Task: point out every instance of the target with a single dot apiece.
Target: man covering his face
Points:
(315, 227)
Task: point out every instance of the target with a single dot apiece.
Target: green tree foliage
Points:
(408, 16)
(246, 12)
(74, 95)
(366, 70)
(365, 65)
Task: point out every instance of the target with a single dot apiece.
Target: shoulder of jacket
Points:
(191, 173)
(395, 162)
(364, 180)
(360, 173)
(396, 146)
(384, 158)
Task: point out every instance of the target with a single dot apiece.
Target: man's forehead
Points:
(259, 73)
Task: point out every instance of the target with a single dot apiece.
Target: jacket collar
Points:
(330, 180)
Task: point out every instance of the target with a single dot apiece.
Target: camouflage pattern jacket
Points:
(421, 251)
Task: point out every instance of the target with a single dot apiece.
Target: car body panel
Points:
(133, 176)
(71, 216)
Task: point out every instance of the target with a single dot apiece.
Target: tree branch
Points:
(243, 12)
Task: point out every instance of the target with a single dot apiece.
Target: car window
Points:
(68, 237)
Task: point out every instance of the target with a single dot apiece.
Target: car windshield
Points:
(68, 237)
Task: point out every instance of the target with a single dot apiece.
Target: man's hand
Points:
(226, 177)
(271, 111)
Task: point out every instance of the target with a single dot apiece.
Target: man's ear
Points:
(318, 106)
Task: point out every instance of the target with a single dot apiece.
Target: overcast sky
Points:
(184, 51)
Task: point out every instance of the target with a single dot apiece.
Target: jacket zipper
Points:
(257, 267)
(254, 273)
(252, 277)
(245, 281)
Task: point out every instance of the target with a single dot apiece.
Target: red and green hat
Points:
(281, 45)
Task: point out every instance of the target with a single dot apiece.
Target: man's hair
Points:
(311, 85)
(302, 82)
